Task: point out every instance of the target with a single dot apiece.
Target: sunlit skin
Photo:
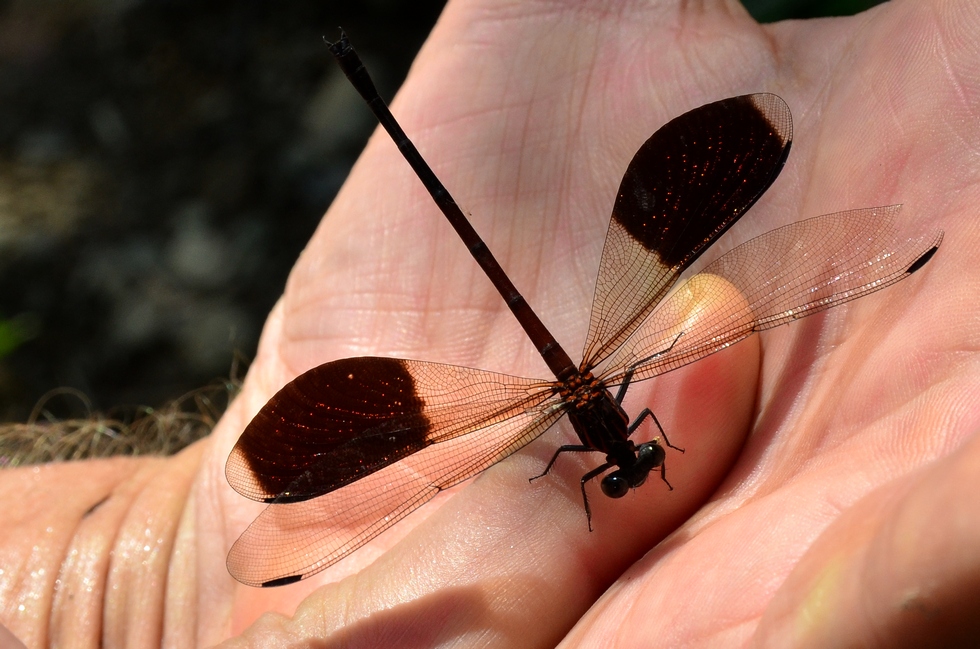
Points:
(827, 493)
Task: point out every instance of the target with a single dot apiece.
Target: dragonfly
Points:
(350, 447)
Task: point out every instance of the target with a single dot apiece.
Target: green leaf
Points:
(16, 331)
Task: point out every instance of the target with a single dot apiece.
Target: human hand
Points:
(529, 113)
(814, 442)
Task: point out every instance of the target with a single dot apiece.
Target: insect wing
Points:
(683, 189)
(344, 420)
(289, 542)
(781, 276)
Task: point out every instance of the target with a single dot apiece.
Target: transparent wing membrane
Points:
(289, 541)
(683, 189)
(779, 277)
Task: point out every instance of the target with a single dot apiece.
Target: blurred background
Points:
(162, 164)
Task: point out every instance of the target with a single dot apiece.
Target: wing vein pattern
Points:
(344, 420)
(783, 275)
(683, 189)
(300, 539)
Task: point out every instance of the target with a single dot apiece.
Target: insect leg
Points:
(628, 376)
(585, 497)
(568, 448)
(646, 412)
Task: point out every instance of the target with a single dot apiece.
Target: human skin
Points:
(826, 494)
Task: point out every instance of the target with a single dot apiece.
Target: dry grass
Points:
(123, 431)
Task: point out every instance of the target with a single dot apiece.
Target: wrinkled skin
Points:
(827, 495)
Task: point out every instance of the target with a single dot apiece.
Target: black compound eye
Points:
(614, 485)
(651, 454)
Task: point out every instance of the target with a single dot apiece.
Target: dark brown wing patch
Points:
(683, 189)
(289, 542)
(698, 173)
(344, 420)
(319, 413)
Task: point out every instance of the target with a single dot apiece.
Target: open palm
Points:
(827, 480)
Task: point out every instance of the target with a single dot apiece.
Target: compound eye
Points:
(615, 485)
(651, 454)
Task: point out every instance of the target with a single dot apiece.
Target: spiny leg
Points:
(621, 393)
(567, 448)
(585, 497)
(646, 412)
(628, 376)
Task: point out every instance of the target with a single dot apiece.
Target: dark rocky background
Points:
(162, 164)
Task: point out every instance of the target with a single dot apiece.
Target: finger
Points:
(8, 640)
(900, 569)
(88, 550)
